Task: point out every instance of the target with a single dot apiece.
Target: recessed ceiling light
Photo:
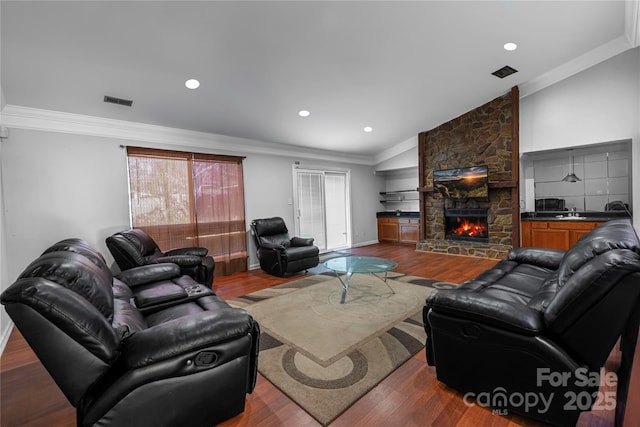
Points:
(368, 129)
(510, 46)
(192, 84)
(303, 113)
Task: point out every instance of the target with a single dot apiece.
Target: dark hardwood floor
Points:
(411, 396)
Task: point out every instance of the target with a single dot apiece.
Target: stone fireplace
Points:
(487, 135)
(466, 224)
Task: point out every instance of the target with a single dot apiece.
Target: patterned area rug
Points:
(325, 355)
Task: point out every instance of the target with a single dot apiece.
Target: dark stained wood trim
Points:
(515, 166)
(422, 142)
(492, 184)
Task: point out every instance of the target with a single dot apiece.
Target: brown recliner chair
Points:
(280, 254)
(134, 247)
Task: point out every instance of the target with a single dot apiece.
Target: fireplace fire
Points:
(466, 224)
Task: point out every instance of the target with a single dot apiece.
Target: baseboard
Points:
(5, 337)
(370, 242)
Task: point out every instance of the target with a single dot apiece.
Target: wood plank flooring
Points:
(410, 396)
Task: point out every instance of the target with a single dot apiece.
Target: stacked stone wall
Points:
(479, 137)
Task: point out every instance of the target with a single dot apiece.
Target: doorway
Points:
(321, 206)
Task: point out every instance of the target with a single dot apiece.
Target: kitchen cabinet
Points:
(398, 229)
(560, 234)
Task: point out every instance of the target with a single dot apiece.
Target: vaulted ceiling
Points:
(398, 67)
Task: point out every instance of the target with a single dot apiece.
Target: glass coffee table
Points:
(361, 265)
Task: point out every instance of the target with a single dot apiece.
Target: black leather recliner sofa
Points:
(531, 334)
(184, 357)
(134, 247)
(280, 254)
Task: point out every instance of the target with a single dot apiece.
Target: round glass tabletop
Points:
(360, 264)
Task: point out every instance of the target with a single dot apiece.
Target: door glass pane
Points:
(336, 208)
(311, 207)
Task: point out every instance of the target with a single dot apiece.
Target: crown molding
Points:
(13, 116)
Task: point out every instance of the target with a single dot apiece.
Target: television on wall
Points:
(470, 182)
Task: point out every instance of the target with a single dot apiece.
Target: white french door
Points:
(322, 207)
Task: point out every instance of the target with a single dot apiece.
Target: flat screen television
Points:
(462, 183)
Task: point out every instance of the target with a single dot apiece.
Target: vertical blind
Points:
(188, 199)
(311, 206)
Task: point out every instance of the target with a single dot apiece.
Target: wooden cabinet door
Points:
(388, 229)
(550, 238)
(525, 233)
(409, 230)
(580, 230)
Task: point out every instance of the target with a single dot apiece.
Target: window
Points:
(187, 199)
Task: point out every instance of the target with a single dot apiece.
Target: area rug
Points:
(325, 355)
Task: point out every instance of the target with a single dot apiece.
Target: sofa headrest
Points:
(269, 226)
(77, 273)
(270, 232)
(68, 310)
(81, 247)
(612, 235)
(141, 240)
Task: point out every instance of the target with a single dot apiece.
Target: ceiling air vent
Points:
(504, 72)
(119, 101)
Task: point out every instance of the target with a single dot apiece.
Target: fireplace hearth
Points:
(466, 224)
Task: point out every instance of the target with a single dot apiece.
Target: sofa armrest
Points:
(491, 311)
(149, 273)
(542, 257)
(181, 260)
(188, 251)
(302, 241)
(184, 335)
(273, 246)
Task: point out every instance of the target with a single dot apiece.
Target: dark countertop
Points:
(392, 214)
(581, 216)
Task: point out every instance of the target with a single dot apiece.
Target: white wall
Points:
(407, 158)
(59, 185)
(600, 104)
(268, 182)
(5, 321)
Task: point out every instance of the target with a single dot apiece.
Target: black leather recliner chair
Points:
(134, 247)
(540, 325)
(280, 254)
(185, 361)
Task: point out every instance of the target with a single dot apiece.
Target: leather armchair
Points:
(539, 324)
(280, 254)
(134, 247)
(186, 363)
